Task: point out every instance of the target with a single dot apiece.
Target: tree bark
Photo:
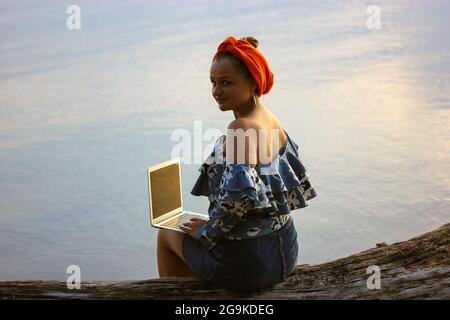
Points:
(415, 269)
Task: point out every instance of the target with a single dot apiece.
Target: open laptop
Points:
(165, 196)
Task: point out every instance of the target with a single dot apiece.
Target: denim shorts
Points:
(247, 264)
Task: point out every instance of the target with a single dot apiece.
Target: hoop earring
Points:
(254, 101)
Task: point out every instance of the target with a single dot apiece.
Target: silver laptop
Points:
(165, 196)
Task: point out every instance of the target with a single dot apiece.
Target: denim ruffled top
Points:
(249, 202)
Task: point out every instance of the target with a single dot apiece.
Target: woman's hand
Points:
(191, 227)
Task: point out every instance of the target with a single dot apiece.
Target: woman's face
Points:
(230, 88)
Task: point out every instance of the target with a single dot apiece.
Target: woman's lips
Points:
(221, 101)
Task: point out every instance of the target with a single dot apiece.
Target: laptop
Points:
(165, 196)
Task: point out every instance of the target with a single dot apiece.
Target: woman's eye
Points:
(225, 83)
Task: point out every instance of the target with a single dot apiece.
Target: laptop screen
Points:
(165, 189)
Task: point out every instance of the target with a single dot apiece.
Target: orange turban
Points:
(253, 59)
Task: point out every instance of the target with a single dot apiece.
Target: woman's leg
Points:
(171, 262)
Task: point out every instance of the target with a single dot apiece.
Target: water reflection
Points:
(84, 114)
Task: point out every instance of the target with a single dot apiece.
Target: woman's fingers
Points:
(188, 229)
(190, 223)
(185, 228)
(198, 219)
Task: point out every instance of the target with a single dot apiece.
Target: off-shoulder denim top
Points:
(251, 201)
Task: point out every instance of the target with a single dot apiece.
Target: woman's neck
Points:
(249, 109)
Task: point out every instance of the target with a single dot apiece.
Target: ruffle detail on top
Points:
(275, 188)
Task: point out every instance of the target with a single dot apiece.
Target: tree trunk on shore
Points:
(415, 269)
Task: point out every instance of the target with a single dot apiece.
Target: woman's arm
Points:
(226, 214)
(224, 217)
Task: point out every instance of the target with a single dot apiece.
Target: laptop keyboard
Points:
(174, 223)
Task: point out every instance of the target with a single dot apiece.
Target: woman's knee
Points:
(170, 239)
(162, 238)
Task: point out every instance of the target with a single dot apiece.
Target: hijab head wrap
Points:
(253, 59)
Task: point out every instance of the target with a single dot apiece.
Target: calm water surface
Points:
(84, 113)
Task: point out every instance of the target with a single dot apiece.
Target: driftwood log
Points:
(415, 269)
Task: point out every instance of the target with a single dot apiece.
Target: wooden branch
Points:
(415, 269)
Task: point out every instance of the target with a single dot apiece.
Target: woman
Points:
(249, 241)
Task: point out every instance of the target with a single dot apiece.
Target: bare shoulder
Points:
(243, 123)
(244, 127)
(248, 135)
(264, 128)
(245, 150)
